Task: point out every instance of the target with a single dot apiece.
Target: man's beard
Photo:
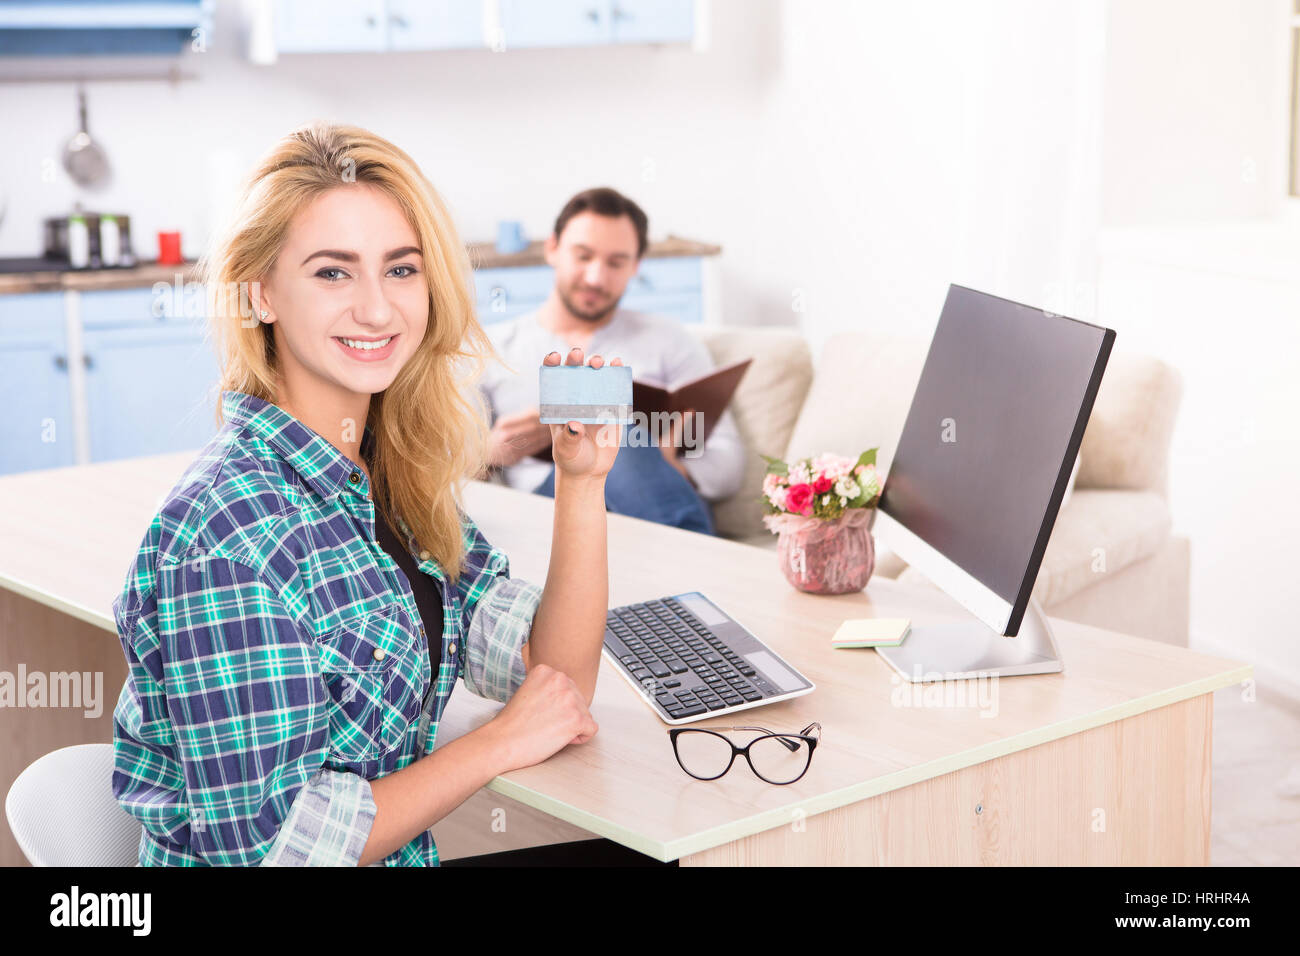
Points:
(592, 317)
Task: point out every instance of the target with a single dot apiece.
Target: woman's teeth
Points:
(366, 346)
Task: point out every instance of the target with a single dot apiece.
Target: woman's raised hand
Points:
(584, 451)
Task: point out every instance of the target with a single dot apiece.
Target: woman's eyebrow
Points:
(347, 256)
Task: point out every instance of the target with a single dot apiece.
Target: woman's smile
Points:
(368, 349)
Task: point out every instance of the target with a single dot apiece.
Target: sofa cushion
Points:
(860, 396)
(1126, 444)
(1100, 532)
(765, 406)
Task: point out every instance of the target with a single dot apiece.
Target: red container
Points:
(169, 249)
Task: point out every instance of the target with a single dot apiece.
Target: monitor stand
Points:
(967, 648)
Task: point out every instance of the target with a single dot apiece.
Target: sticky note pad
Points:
(580, 393)
(872, 632)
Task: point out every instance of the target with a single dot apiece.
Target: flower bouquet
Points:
(821, 507)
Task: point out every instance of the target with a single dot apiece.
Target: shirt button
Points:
(355, 477)
(424, 555)
(451, 648)
(378, 654)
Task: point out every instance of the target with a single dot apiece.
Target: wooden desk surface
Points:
(68, 535)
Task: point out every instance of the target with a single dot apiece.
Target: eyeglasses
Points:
(775, 758)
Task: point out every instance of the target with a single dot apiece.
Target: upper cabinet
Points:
(102, 27)
(553, 23)
(373, 26)
(435, 24)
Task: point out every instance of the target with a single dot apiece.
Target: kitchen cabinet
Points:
(36, 423)
(150, 389)
(374, 26)
(134, 377)
(435, 24)
(101, 27)
(559, 23)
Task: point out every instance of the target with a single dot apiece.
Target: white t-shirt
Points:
(660, 350)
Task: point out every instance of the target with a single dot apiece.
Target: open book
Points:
(709, 395)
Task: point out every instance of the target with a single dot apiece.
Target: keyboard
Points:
(689, 659)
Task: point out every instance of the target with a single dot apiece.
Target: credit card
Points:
(580, 393)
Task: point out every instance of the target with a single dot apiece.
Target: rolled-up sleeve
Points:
(221, 732)
(497, 614)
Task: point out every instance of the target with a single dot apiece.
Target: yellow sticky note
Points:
(872, 632)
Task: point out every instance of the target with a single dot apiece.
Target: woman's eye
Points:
(410, 271)
(329, 269)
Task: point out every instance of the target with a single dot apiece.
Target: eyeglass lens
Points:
(706, 755)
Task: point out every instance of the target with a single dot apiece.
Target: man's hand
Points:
(514, 437)
(671, 449)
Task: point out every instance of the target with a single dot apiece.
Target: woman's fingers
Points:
(575, 357)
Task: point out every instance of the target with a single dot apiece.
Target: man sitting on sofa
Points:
(596, 246)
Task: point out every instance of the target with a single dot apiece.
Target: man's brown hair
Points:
(604, 201)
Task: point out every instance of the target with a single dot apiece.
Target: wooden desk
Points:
(1107, 763)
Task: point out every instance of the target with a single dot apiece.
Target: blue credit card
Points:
(580, 393)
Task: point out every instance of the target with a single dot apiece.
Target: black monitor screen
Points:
(992, 434)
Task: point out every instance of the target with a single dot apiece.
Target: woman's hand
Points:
(589, 453)
(545, 715)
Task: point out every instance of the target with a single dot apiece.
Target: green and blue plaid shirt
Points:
(276, 660)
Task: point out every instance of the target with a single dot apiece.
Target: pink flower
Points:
(770, 483)
(822, 484)
(799, 499)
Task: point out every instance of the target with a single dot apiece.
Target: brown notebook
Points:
(709, 394)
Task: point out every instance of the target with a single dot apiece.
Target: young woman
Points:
(311, 589)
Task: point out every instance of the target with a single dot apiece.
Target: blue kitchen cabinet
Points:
(330, 26)
(668, 285)
(36, 424)
(652, 21)
(150, 373)
(561, 23)
(435, 24)
(554, 23)
(102, 27)
(150, 389)
(374, 26)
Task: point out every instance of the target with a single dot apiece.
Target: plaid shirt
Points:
(276, 660)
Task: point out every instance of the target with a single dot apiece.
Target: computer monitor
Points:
(972, 493)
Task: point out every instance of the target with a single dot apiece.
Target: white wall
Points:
(1196, 103)
(1199, 266)
(925, 143)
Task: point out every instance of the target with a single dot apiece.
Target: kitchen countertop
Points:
(483, 255)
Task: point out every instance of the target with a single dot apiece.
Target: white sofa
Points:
(1112, 560)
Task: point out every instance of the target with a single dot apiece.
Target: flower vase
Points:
(826, 557)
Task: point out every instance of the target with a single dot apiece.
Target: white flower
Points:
(777, 496)
(770, 483)
(846, 487)
(843, 501)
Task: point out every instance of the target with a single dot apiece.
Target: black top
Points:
(424, 588)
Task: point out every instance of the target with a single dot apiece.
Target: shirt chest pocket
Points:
(372, 676)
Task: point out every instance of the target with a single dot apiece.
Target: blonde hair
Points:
(430, 425)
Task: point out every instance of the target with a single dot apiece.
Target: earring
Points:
(265, 314)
